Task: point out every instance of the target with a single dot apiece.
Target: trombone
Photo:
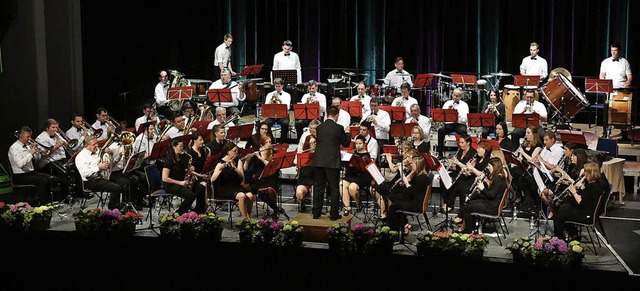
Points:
(95, 132)
(68, 143)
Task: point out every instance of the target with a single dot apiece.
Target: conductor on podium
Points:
(330, 136)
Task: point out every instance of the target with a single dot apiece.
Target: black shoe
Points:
(303, 207)
(335, 217)
(316, 216)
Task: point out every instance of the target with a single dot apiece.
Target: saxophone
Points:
(189, 177)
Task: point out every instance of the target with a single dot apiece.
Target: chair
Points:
(495, 217)
(423, 211)
(591, 226)
(219, 203)
(608, 145)
(101, 196)
(156, 193)
(25, 192)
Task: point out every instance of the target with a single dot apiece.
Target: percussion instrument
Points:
(201, 86)
(390, 91)
(374, 91)
(620, 108)
(480, 84)
(511, 97)
(500, 74)
(440, 75)
(563, 97)
(554, 73)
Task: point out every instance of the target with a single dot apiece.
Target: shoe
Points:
(335, 217)
(456, 221)
(303, 208)
(316, 216)
(346, 212)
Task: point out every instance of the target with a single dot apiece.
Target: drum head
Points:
(511, 87)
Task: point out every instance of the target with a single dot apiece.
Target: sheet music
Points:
(375, 173)
(547, 172)
(445, 179)
(538, 178)
(346, 156)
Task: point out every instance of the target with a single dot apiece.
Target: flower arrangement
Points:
(38, 218)
(451, 244)
(362, 235)
(547, 251)
(361, 239)
(290, 235)
(270, 232)
(98, 220)
(13, 216)
(246, 228)
(339, 237)
(211, 226)
(191, 225)
(522, 250)
(265, 231)
(382, 241)
(169, 225)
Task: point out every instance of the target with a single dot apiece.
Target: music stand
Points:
(201, 128)
(134, 162)
(600, 86)
(576, 138)
(423, 81)
(525, 120)
(275, 110)
(431, 162)
(510, 158)
(240, 131)
(288, 76)
(304, 160)
(159, 150)
(526, 80)
(495, 145)
(355, 131)
(145, 125)
(481, 120)
(350, 148)
(401, 129)
(306, 111)
(219, 95)
(390, 149)
(396, 113)
(287, 159)
(354, 108)
(251, 70)
(180, 93)
(460, 79)
(445, 115)
(211, 162)
(244, 152)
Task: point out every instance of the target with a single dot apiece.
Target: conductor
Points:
(330, 135)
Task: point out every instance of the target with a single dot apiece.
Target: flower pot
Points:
(40, 223)
(126, 228)
(213, 234)
(169, 232)
(520, 258)
(475, 255)
(80, 227)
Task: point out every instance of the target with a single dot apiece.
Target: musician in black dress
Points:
(305, 174)
(461, 179)
(355, 179)
(199, 154)
(502, 136)
(263, 131)
(178, 180)
(227, 180)
(566, 176)
(418, 139)
(475, 167)
(382, 192)
(253, 170)
(218, 140)
(581, 202)
(495, 107)
(488, 195)
(412, 196)
(527, 153)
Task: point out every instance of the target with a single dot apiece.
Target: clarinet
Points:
(460, 173)
(474, 188)
(558, 199)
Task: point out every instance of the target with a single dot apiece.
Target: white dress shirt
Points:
(117, 152)
(616, 71)
(365, 100)
(290, 62)
(222, 55)
(143, 119)
(537, 107)
(322, 100)
(344, 118)
(215, 122)
(87, 164)
(143, 144)
(57, 155)
(285, 98)
(406, 102)
(461, 106)
(424, 123)
(20, 158)
(173, 132)
(235, 93)
(78, 134)
(160, 93)
(537, 67)
(372, 147)
(303, 137)
(552, 155)
(396, 78)
(384, 122)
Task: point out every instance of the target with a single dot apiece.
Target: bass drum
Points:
(564, 98)
(510, 97)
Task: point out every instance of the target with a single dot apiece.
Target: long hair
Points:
(420, 131)
(171, 152)
(591, 172)
(581, 159)
(487, 149)
(307, 142)
(496, 163)
(536, 137)
(420, 165)
(227, 147)
(267, 154)
(503, 125)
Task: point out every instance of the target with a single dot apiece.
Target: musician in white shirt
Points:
(160, 94)
(90, 168)
(236, 88)
(176, 130)
(102, 122)
(21, 156)
(146, 117)
(395, 78)
(362, 97)
(459, 127)
(287, 60)
(616, 68)
(344, 118)
(422, 121)
(380, 120)
(310, 98)
(528, 106)
(279, 96)
(372, 144)
(534, 65)
(77, 131)
(221, 118)
(222, 56)
(404, 99)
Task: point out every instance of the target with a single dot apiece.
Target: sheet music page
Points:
(445, 179)
(375, 173)
(547, 172)
(346, 156)
(538, 178)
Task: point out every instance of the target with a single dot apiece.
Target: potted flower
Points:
(169, 226)
(339, 237)
(265, 231)
(89, 220)
(434, 243)
(189, 225)
(555, 252)
(475, 244)
(126, 223)
(39, 218)
(382, 241)
(245, 228)
(211, 227)
(13, 217)
(522, 250)
(290, 235)
(362, 235)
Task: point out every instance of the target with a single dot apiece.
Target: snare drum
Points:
(563, 97)
(390, 91)
(510, 97)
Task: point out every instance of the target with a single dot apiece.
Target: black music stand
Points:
(159, 150)
(271, 169)
(525, 120)
(576, 137)
(600, 86)
(251, 70)
(445, 115)
(401, 129)
(354, 108)
(396, 113)
(134, 162)
(288, 76)
(201, 128)
(219, 95)
(145, 125)
(306, 111)
(240, 131)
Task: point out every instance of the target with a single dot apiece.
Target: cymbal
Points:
(501, 74)
(334, 80)
(363, 74)
(440, 75)
(352, 74)
(486, 76)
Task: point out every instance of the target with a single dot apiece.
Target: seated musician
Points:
(199, 154)
(412, 194)
(461, 178)
(53, 163)
(582, 202)
(177, 128)
(363, 98)
(77, 130)
(424, 123)
(527, 106)
(218, 141)
(178, 179)
(371, 143)
(459, 127)
(279, 96)
(476, 167)
(355, 179)
(305, 176)
(147, 118)
(187, 112)
(253, 169)
(497, 108)
(568, 171)
(486, 195)
(418, 140)
(90, 167)
(237, 92)
(380, 120)
(129, 182)
(548, 157)
(405, 100)
(382, 192)
(344, 118)
(221, 118)
(227, 180)
(502, 136)
(310, 132)
(309, 98)
(263, 131)
(102, 122)
(527, 153)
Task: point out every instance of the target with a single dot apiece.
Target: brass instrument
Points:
(312, 98)
(105, 157)
(114, 123)
(127, 138)
(95, 132)
(40, 148)
(166, 128)
(231, 118)
(69, 144)
(275, 98)
(204, 112)
(554, 73)
(192, 120)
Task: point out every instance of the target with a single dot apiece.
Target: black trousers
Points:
(42, 182)
(284, 126)
(130, 183)
(60, 176)
(197, 193)
(104, 185)
(458, 128)
(324, 176)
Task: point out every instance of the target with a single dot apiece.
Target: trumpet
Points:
(95, 132)
(275, 98)
(312, 98)
(528, 108)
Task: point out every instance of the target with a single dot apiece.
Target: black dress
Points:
(353, 175)
(229, 183)
(198, 160)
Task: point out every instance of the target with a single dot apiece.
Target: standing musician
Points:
(222, 56)
(533, 64)
(279, 96)
(355, 179)
(237, 92)
(527, 152)
(422, 121)
(254, 168)
(227, 180)
(305, 175)
(21, 155)
(418, 140)
(412, 195)
(618, 70)
(404, 99)
(381, 122)
(90, 167)
(102, 122)
(371, 143)
(218, 141)
(461, 177)
(494, 106)
(459, 127)
(77, 131)
(53, 164)
(585, 194)
(382, 191)
(476, 167)
(178, 179)
(398, 76)
(363, 98)
(288, 60)
(129, 182)
(527, 106)
(486, 195)
(309, 98)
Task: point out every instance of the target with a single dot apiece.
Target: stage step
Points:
(315, 230)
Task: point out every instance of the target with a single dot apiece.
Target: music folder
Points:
(275, 110)
(354, 108)
(304, 159)
(444, 115)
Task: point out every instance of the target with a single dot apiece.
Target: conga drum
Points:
(510, 97)
(620, 108)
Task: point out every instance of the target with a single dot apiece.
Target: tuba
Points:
(127, 138)
(204, 112)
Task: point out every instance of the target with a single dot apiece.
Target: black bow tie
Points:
(52, 136)
(546, 148)
(313, 94)
(406, 98)
(102, 123)
(24, 146)
(286, 55)
(398, 72)
(227, 47)
(79, 129)
(616, 60)
(166, 85)
(374, 114)
(180, 130)
(534, 58)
